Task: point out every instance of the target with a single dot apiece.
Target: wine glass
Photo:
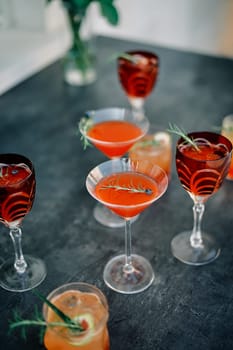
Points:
(201, 171)
(113, 131)
(138, 72)
(127, 188)
(17, 191)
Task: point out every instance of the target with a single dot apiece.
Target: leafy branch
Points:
(173, 128)
(84, 125)
(73, 325)
(129, 188)
(107, 8)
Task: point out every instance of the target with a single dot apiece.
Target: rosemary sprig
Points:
(173, 128)
(130, 189)
(67, 322)
(124, 55)
(84, 125)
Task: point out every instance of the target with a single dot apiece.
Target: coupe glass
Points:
(201, 172)
(127, 188)
(113, 131)
(138, 72)
(17, 191)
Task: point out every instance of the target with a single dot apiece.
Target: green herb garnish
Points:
(84, 125)
(66, 322)
(173, 128)
(126, 56)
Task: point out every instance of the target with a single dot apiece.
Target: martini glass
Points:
(201, 172)
(113, 131)
(138, 72)
(17, 191)
(127, 188)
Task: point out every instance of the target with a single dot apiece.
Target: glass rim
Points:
(142, 52)
(165, 177)
(144, 128)
(26, 161)
(227, 144)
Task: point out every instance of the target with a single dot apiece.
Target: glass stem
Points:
(20, 263)
(196, 238)
(128, 267)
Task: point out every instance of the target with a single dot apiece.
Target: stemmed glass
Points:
(127, 188)
(113, 131)
(17, 192)
(138, 72)
(201, 171)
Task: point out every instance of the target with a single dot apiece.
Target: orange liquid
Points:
(74, 303)
(127, 203)
(114, 137)
(159, 154)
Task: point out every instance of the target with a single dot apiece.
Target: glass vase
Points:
(79, 62)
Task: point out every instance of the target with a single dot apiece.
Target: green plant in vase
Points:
(79, 63)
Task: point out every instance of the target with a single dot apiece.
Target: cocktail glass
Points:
(84, 303)
(138, 72)
(201, 172)
(127, 188)
(227, 131)
(17, 191)
(155, 147)
(113, 131)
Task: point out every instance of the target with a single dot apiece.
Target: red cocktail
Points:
(17, 191)
(113, 131)
(127, 188)
(138, 73)
(201, 170)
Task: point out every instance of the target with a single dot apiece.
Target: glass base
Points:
(183, 251)
(76, 77)
(16, 282)
(107, 218)
(135, 281)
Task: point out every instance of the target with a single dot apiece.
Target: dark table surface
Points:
(186, 307)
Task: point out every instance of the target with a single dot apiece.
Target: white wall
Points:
(196, 25)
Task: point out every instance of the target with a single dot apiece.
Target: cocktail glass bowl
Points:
(122, 128)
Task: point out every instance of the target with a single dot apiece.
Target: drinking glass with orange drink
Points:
(113, 131)
(155, 147)
(227, 131)
(127, 188)
(86, 305)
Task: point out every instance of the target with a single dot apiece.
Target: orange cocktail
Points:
(113, 131)
(114, 137)
(127, 188)
(155, 147)
(127, 193)
(83, 303)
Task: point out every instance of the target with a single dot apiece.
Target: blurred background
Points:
(34, 34)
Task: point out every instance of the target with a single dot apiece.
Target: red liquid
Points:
(127, 203)
(202, 172)
(138, 78)
(17, 190)
(114, 137)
